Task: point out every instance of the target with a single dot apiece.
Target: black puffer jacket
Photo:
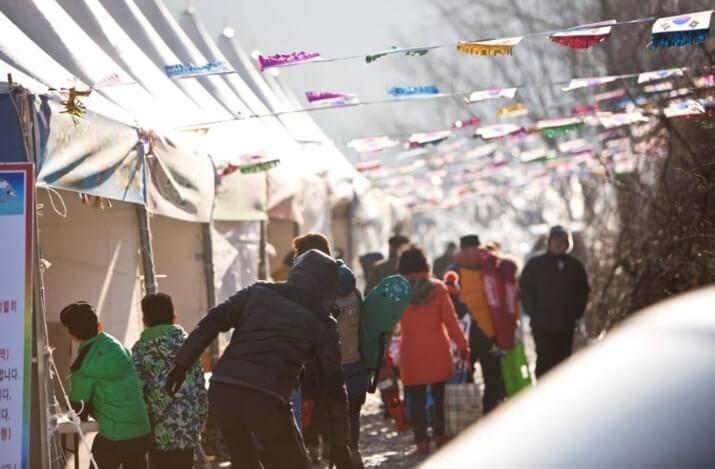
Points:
(278, 328)
(554, 291)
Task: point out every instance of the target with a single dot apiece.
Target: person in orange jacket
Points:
(425, 349)
(468, 266)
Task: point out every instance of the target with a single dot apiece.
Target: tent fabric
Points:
(12, 148)
(180, 183)
(235, 253)
(93, 255)
(241, 197)
(97, 156)
(50, 27)
(179, 258)
(104, 158)
(109, 36)
(22, 54)
(164, 23)
(142, 32)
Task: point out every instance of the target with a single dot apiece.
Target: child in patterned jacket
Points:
(176, 421)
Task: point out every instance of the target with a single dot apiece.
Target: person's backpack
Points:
(382, 309)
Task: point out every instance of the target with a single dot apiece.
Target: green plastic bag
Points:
(382, 309)
(515, 370)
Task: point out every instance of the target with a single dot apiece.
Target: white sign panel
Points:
(16, 195)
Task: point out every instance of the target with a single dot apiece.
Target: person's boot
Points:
(423, 447)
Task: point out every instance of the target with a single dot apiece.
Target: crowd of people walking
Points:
(303, 335)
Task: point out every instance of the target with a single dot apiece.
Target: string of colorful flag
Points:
(326, 100)
(583, 115)
(673, 31)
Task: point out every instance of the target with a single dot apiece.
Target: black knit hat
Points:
(80, 319)
(469, 241)
(398, 241)
(559, 231)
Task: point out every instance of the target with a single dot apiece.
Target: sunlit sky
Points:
(338, 29)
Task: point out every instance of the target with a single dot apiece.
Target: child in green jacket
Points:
(104, 384)
(177, 420)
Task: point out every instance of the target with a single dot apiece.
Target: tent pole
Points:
(262, 264)
(210, 284)
(350, 254)
(41, 386)
(262, 260)
(150, 283)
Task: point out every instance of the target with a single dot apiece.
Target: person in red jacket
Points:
(425, 350)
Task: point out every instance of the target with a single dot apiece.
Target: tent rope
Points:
(50, 192)
(71, 414)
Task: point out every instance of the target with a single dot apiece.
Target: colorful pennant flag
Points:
(681, 30)
(428, 138)
(585, 109)
(393, 50)
(494, 47)
(480, 152)
(470, 122)
(658, 87)
(112, 80)
(579, 83)
(368, 166)
(578, 145)
(371, 144)
(191, 70)
(257, 164)
(610, 96)
(400, 92)
(331, 98)
(249, 164)
(512, 110)
(498, 131)
(647, 77)
(495, 93)
(552, 128)
(584, 38)
(280, 60)
(619, 120)
(687, 108)
(536, 156)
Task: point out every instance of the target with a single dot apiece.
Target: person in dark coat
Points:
(347, 314)
(441, 265)
(278, 328)
(387, 267)
(554, 292)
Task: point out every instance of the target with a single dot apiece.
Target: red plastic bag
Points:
(390, 391)
(500, 289)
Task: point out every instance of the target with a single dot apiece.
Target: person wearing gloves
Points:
(425, 350)
(347, 313)
(554, 291)
(278, 327)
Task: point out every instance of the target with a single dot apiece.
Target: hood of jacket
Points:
(422, 288)
(313, 281)
(346, 279)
